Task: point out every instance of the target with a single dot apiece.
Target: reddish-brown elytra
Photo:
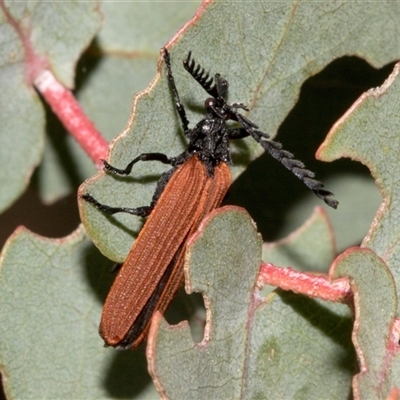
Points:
(153, 271)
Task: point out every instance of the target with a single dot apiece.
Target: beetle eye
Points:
(209, 103)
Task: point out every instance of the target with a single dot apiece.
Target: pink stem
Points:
(309, 284)
(70, 113)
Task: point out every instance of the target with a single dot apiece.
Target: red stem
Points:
(70, 113)
(59, 98)
(309, 284)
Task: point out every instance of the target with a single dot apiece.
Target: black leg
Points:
(142, 157)
(143, 211)
(240, 105)
(140, 211)
(241, 133)
(179, 106)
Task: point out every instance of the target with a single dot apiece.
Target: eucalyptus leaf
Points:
(250, 343)
(271, 49)
(34, 35)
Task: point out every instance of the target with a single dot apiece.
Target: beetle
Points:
(197, 183)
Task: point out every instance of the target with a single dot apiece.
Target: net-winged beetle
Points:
(197, 183)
